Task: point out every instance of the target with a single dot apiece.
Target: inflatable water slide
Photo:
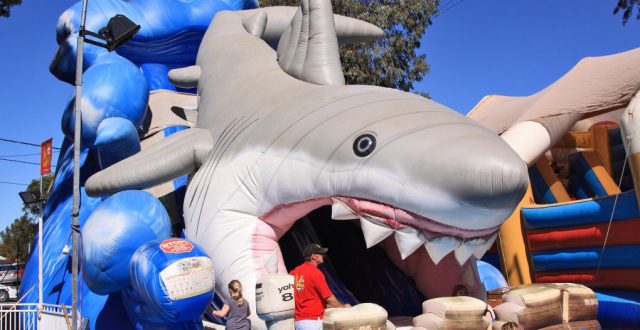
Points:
(579, 222)
(222, 138)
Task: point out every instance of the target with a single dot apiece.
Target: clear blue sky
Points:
(475, 48)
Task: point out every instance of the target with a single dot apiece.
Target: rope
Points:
(613, 211)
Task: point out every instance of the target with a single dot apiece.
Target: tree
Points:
(5, 6)
(15, 239)
(627, 7)
(391, 61)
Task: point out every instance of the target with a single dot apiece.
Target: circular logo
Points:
(176, 245)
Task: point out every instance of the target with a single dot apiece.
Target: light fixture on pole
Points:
(118, 31)
(28, 198)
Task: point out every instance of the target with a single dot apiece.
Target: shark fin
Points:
(185, 77)
(308, 48)
(177, 155)
(349, 30)
(256, 23)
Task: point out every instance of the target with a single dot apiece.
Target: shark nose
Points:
(480, 169)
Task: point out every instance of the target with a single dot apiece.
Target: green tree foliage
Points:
(15, 239)
(391, 61)
(5, 6)
(627, 7)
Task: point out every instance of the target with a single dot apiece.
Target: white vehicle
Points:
(7, 292)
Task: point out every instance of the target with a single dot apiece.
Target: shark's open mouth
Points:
(434, 256)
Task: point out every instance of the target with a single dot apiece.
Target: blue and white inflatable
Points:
(172, 284)
(115, 117)
(114, 231)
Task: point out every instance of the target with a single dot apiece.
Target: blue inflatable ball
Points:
(113, 232)
(491, 276)
(144, 316)
(175, 277)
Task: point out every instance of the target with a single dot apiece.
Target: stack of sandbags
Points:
(452, 313)
(364, 316)
(531, 307)
(549, 306)
(579, 303)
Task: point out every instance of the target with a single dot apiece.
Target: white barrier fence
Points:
(25, 317)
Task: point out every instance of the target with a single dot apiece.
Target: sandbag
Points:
(452, 313)
(361, 316)
(497, 325)
(390, 325)
(175, 277)
(531, 306)
(274, 297)
(579, 303)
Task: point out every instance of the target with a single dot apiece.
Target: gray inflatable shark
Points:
(279, 134)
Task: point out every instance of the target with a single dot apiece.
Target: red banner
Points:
(45, 156)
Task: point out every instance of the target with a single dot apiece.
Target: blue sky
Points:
(475, 48)
(516, 47)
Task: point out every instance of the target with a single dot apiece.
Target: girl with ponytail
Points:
(235, 308)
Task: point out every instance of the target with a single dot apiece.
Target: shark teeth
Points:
(482, 248)
(339, 211)
(408, 241)
(463, 252)
(374, 233)
(474, 247)
(439, 247)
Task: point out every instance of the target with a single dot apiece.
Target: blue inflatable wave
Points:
(114, 110)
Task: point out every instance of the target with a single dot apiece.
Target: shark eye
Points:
(364, 144)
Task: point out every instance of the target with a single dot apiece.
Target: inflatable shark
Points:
(278, 135)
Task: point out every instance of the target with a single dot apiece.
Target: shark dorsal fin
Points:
(308, 48)
(256, 23)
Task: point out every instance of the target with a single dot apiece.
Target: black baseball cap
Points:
(313, 248)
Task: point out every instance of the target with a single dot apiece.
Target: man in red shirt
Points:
(311, 292)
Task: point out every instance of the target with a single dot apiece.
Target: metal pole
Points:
(41, 215)
(76, 169)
